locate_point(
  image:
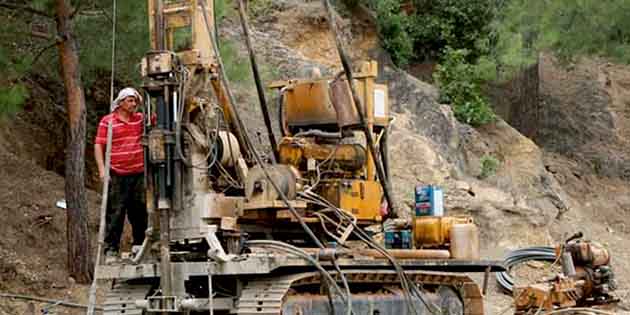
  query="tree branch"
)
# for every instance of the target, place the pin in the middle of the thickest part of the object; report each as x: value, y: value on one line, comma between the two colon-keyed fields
x: 41, y: 35
x: 42, y: 51
x: 13, y: 6
x: 76, y: 10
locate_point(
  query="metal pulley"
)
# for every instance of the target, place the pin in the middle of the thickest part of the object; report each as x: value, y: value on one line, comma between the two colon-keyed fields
x: 229, y: 151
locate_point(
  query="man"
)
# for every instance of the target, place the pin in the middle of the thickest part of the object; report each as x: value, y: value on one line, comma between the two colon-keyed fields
x: 126, y: 190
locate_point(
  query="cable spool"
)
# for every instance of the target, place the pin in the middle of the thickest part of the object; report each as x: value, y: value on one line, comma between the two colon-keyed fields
x: 228, y: 149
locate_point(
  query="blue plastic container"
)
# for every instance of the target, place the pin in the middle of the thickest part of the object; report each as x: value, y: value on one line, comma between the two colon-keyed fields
x: 429, y: 201
x: 398, y: 239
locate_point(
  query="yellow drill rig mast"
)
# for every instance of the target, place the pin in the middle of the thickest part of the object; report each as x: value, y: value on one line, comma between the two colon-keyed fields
x: 232, y: 233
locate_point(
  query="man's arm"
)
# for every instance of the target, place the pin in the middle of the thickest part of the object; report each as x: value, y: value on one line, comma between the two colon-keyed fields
x: 98, y: 155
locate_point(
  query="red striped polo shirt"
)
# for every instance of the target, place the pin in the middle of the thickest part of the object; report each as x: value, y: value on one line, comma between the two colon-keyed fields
x: 127, y: 156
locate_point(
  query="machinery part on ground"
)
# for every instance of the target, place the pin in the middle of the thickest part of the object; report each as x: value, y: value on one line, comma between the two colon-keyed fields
x: 586, y: 253
x: 580, y: 284
x: 49, y: 302
x: 513, y: 258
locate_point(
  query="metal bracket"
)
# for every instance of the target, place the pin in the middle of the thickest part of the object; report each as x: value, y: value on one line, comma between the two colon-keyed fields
x: 216, y: 251
x: 163, y: 304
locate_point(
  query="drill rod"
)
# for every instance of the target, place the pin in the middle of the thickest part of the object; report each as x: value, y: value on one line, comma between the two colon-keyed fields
x: 259, y: 87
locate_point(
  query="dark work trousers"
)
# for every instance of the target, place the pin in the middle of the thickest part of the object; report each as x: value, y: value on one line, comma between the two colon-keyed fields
x: 126, y: 196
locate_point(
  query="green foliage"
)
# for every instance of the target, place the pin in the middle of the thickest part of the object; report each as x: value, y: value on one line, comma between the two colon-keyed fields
x: 459, y: 83
x: 236, y: 70
x: 258, y: 8
x: 432, y: 26
x: 392, y: 27
x: 460, y: 24
x: 222, y: 9
x: 94, y: 32
x: 489, y: 165
x: 12, y: 98
x: 12, y: 92
x: 568, y: 28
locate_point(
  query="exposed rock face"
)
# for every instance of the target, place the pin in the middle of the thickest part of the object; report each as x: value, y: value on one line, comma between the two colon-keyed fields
x: 431, y: 147
x: 585, y: 114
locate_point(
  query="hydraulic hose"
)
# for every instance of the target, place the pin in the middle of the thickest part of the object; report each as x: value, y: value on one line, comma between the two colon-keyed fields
x: 540, y: 253
x: 302, y: 254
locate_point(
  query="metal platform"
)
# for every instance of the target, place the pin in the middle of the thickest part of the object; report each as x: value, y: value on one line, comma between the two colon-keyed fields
x: 265, y: 264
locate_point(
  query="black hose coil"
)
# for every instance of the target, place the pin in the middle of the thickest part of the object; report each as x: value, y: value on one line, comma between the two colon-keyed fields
x: 541, y: 253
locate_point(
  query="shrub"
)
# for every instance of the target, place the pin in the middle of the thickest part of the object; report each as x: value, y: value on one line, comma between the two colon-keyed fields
x: 423, y: 32
x: 459, y: 84
x: 12, y: 98
x: 392, y: 27
x: 489, y: 165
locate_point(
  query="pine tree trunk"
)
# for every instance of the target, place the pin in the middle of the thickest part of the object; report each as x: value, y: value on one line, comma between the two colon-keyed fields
x: 79, y: 263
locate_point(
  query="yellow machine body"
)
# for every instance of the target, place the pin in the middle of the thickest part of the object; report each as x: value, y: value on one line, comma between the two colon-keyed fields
x: 312, y: 103
x: 308, y: 104
x: 430, y: 231
x: 312, y: 108
x: 346, y: 158
x: 362, y: 198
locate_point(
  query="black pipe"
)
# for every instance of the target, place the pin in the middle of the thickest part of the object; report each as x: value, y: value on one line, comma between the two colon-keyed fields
x: 161, y: 124
x: 159, y: 26
x: 259, y: 87
x: 384, y: 148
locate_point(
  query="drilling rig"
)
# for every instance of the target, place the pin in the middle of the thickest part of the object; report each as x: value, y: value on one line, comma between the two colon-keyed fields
x: 233, y: 231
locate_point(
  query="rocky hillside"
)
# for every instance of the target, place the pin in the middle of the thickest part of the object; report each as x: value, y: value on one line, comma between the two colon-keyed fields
x: 572, y: 176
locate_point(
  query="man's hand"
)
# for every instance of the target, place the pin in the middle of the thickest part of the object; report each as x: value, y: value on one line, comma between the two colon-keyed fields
x: 98, y: 155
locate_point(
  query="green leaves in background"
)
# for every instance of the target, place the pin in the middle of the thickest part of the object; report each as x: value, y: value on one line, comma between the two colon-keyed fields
x: 420, y: 31
x: 459, y: 83
x: 12, y: 92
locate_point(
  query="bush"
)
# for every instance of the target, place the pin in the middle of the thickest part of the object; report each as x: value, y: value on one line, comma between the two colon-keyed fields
x: 461, y: 24
x: 432, y: 25
x: 13, y: 93
x: 12, y: 98
x: 489, y: 166
x: 392, y: 27
x: 459, y: 84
